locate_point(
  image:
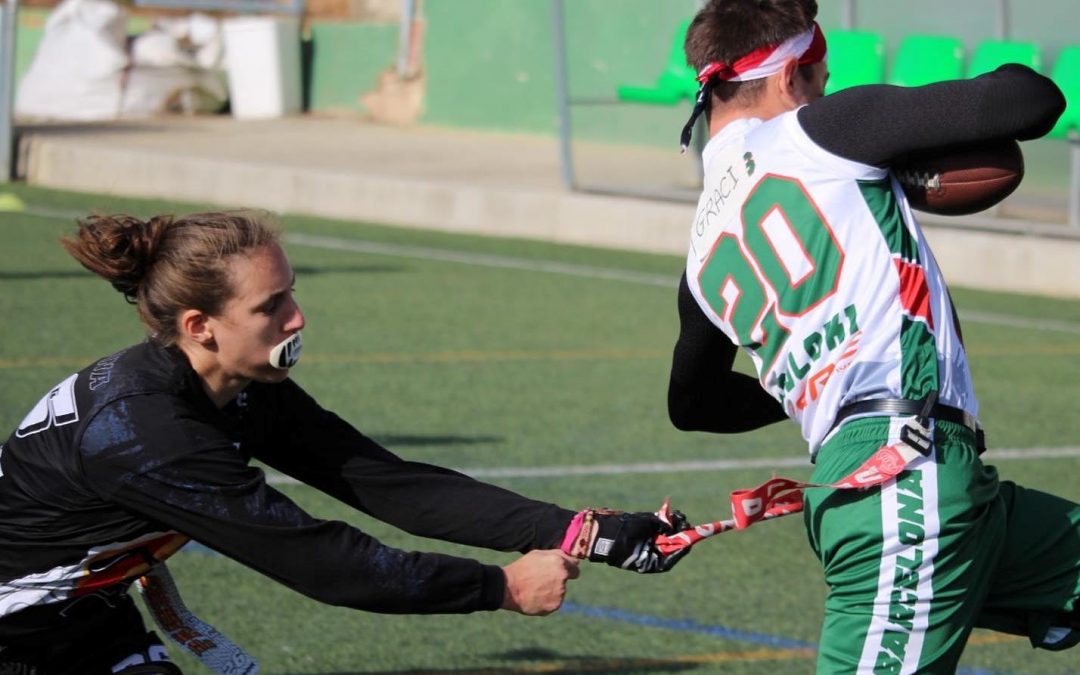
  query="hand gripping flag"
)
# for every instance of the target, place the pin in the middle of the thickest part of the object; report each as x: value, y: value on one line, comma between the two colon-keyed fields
x: 783, y: 496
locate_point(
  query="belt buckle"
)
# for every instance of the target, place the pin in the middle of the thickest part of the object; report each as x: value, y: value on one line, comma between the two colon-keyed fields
x: 915, y: 434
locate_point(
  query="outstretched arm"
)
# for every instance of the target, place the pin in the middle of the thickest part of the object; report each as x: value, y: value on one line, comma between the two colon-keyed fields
x: 704, y: 393
x: 315, y: 446
x: 879, y: 124
x: 322, y: 450
x: 194, y: 481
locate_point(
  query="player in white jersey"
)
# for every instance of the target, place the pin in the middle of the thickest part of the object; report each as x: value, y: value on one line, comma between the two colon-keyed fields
x: 805, y: 254
x: 781, y: 263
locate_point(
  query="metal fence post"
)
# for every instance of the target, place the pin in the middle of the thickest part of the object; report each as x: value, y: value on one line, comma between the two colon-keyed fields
x: 558, y: 32
x: 1074, y: 181
x: 847, y: 15
x: 9, y: 17
x: 405, y: 34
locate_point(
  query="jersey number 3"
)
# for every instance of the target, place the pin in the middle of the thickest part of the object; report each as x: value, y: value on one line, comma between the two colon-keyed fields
x: 788, y: 263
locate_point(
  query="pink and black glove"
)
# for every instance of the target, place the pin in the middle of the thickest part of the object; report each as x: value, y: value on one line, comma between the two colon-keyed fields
x: 625, y: 540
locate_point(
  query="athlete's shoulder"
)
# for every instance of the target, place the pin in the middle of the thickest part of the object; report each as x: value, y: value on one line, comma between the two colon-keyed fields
x: 143, y: 388
x: 141, y: 368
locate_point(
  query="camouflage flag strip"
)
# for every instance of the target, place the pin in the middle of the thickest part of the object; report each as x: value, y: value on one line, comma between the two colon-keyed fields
x: 217, y: 652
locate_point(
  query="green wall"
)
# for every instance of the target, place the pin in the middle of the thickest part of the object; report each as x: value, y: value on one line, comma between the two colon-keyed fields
x: 491, y: 64
x: 346, y: 59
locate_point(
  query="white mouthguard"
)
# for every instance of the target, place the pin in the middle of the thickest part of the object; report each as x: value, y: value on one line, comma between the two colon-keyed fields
x: 287, y: 352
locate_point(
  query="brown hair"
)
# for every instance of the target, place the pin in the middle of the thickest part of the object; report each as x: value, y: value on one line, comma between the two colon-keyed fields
x: 726, y: 30
x: 166, y: 265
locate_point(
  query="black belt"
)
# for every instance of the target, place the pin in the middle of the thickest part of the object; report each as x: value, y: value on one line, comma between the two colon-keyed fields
x: 895, y: 407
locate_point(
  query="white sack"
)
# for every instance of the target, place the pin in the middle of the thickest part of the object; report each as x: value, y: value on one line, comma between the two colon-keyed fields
x: 76, y: 71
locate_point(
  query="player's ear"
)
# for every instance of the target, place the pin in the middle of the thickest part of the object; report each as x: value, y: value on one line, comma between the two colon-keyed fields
x: 787, y: 85
x: 195, y: 326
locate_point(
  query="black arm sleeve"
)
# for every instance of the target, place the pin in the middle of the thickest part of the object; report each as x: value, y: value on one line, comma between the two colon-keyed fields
x: 184, y: 474
x: 705, y: 394
x: 878, y: 124
x: 322, y: 450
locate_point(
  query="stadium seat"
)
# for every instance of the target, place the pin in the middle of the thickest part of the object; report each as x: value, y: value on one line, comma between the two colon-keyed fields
x: 855, y: 57
x: 1066, y: 74
x: 922, y: 59
x: 989, y: 54
x: 676, y: 83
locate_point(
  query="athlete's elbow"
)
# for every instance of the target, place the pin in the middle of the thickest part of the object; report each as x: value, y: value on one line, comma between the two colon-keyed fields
x: 683, y: 413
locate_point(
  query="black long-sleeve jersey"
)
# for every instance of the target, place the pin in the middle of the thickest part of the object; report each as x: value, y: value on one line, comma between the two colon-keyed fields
x: 121, y: 463
x: 877, y: 125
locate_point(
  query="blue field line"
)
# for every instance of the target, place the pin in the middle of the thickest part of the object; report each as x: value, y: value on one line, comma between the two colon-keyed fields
x: 195, y: 547
x: 686, y: 625
x: 719, y: 631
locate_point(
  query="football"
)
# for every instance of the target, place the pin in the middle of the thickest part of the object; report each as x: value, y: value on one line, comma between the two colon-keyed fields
x: 960, y: 181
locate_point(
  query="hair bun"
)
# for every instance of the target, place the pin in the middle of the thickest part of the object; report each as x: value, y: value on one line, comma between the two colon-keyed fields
x: 121, y: 249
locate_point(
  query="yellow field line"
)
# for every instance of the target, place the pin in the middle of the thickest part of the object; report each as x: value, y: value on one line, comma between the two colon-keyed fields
x: 46, y: 362
x: 1026, y: 350
x: 399, y: 357
x: 608, y: 665
x: 494, y: 356
x: 993, y: 638
x: 714, y: 657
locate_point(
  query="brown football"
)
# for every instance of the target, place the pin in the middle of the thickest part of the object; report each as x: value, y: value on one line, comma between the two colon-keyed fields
x: 960, y: 181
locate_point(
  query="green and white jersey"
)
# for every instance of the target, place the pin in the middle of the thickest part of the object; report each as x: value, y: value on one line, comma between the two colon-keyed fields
x: 815, y: 266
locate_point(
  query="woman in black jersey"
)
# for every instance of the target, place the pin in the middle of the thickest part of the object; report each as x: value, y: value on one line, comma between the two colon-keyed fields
x: 120, y: 464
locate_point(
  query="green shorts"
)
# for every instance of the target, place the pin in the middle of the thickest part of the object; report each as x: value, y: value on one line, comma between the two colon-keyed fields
x: 915, y: 564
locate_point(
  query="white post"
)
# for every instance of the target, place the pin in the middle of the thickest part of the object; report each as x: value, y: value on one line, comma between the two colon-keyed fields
x: 1074, y: 181
x: 847, y: 16
x: 405, y: 34
x: 562, y: 102
x: 1003, y: 20
x: 9, y: 17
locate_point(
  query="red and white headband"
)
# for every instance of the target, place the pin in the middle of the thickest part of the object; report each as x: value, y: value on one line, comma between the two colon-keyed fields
x: 806, y: 48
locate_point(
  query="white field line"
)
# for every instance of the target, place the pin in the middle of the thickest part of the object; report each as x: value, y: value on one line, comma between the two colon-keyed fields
x: 1019, y: 322
x: 992, y: 456
x: 553, y: 267
x: 590, y: 272
x: 482, y: 260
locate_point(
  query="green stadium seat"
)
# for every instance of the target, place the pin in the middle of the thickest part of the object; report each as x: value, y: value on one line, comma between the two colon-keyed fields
x: 855, y: 57
x: 1066, y: 74
x: 989, y: 54
x: 922, y: 59
x: 676, y: 83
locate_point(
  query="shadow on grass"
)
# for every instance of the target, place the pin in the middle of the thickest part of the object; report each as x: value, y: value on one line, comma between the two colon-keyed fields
x: 568, y: 666
x: 539, y: 660
x: 414, y: 440
x: 309, y: 270
x: 46, y: 274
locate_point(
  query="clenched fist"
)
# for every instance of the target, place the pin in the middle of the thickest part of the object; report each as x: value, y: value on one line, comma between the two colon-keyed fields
x: 536, y: 582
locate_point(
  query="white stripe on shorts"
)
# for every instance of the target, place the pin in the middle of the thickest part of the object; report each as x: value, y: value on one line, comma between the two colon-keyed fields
x: 906, y: 540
